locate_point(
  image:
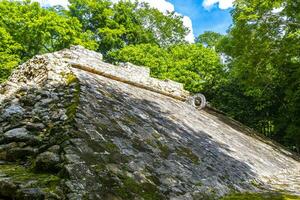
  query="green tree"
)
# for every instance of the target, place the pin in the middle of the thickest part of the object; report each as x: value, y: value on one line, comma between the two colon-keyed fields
x: 209, y: 39
x: 263, y: 46
x: 167, y: 29
x: 9, y: 51
x: 198, y: 68
x: 125, y: 23
x: 29, y: 29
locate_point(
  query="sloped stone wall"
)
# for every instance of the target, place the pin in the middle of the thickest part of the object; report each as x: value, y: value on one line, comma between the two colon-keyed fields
x: 73, y: 133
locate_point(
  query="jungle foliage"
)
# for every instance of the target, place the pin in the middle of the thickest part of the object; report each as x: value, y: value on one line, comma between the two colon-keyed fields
x: 263, y: 88
x: 197, y: 67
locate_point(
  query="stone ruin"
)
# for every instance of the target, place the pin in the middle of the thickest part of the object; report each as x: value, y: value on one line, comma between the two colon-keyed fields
x: 75, y: 127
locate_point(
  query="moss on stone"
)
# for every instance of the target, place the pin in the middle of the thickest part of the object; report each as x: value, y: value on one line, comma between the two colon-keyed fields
x: 118, y: 185
x: 58, y: 133
x: 101, y: 167
x: 164, y: 150
x: 72, y: 107
x: 139, y: 145
x: 154, y: 179
x: 188, y: 153
x: 113, y: 153
x: 20, y: 93
x: 156, y: 135
x: 129, y: 119
x: 256, y: 184
x: 126, y: 187
x: 224, y: 177
x: 110, y: 147
x: 260, y: 196
x: 18, y: 174
x: 2, y: 89
x: 71, y: 78
x: 199, y: 184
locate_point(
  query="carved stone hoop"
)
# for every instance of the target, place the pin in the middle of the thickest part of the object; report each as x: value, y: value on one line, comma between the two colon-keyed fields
x: 197, y: 100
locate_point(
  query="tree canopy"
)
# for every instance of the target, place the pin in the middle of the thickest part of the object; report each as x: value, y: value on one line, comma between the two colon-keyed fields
x: 125, y: 23
x: 197, y: 67
x: 209, y: 38
x: 9, y: 54
x: 264, y: 50
x: 39, y: 30
x: 28, y: 29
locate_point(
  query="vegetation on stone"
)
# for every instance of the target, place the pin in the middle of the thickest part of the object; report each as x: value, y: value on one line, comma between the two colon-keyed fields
x: 260, y: 196
x: 17, y: 174
x: 188, y: 153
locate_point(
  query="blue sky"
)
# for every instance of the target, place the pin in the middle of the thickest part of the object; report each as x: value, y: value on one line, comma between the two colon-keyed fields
x: 199, y: 15
x: 204, y: 19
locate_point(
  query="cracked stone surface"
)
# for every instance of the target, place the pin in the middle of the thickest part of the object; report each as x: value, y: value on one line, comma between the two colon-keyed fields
x: 99, y: 138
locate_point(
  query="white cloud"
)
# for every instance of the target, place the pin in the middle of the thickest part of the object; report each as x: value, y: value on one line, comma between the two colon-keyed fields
x: 187, y: 22
x: 223, y: 4
x: 162, y: 5
x: 63, y: 3
x: 277, y: 10
x: 165, y: 6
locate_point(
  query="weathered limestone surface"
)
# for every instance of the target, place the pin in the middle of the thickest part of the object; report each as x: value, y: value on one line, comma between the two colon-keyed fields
x: 67, y: 133
x: 127, y: 72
